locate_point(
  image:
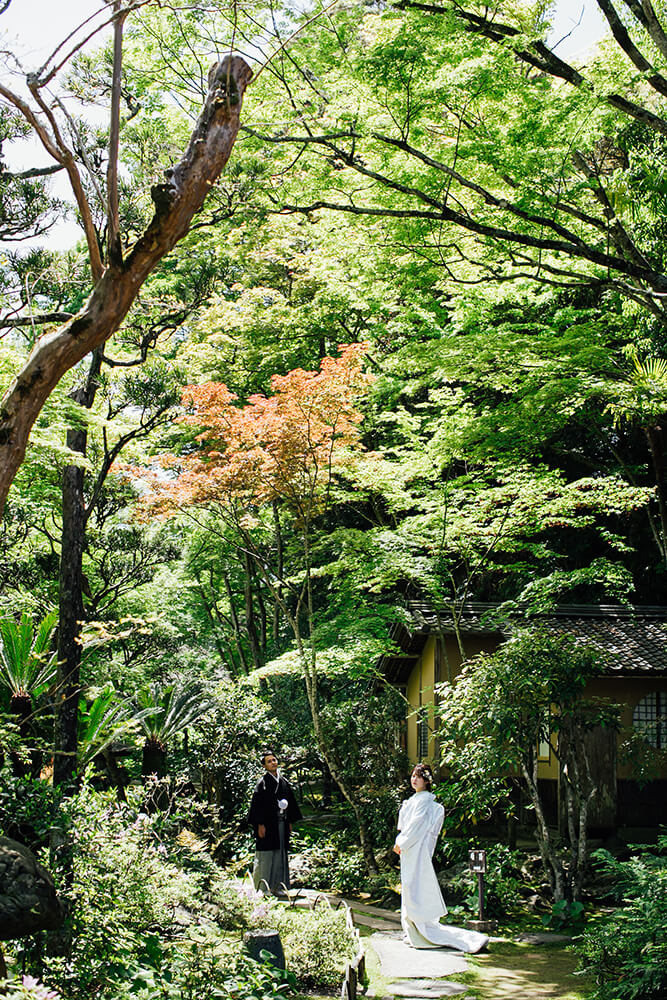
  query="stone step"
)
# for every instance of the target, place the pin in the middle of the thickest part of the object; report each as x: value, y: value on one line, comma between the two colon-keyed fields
x: 398, y: 959
x: 366, y: 920
x: 375, y: 911
x: 425, y: 989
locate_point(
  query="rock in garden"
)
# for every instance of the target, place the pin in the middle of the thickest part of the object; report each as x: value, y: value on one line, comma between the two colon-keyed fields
x: 28, y: 900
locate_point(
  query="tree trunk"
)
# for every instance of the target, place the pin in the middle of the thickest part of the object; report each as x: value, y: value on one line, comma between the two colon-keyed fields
x: 176, y: 203
x: 70, y: 618
x: 551, y: 863
x: 20, y: 706
x: 278, y: 595
x: 654, y: 436
x: 214, y: 625
x: 263, y: 636
x: 154, y: 759
x: 251, y: 628
x: 66, y: 703
x: 235, y: 624
x: 116, y: 773
x: 329, y: 758
x: 327, y: 785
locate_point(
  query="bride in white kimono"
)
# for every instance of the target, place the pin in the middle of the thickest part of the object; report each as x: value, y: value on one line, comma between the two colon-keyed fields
x: 419, y: 822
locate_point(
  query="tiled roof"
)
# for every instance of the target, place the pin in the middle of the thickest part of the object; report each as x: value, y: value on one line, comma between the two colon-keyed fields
x: 636, y: 637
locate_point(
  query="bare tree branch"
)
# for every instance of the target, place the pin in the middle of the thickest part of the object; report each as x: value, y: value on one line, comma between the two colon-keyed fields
x: 12, y: 322
x: 176, y: 202
x: 620, y: 33
x: 113, y: 223
x: 26, y: 175
x: 655, y: 279
x: 633, y: 265
x: 645, y: 14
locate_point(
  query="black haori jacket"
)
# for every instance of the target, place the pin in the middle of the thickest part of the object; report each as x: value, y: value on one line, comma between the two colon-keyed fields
x: 264, y: 811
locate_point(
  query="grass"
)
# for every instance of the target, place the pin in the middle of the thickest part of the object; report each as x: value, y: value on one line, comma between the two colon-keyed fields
x: 509, y: 971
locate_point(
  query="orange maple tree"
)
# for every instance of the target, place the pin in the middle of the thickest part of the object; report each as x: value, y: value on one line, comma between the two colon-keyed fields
x: 280, y: 447
x: 280, y: 450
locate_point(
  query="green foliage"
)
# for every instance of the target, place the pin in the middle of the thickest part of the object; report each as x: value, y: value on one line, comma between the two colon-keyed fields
x: 644, y: 761
x: 625, y: 953
x: 164, y: 712
x: 360, y: 714
x: 10, y: 736
x: 124, y: 886
x: 27, y: 665
x: 28, y: 988
x: 26, y: 809
x: 317, y: 945
x: 101, y: 722
x: 224, y: 754
x: 503, y: 881
x: 202, y: 965
x: 502, y: 705
x: 565, y: 915
x: 497, y: 712
x: 26, y: 208
x: 331, y: 863
x: 506, y: 455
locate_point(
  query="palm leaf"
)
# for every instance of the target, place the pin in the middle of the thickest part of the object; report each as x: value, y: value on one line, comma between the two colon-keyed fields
x: 26, y: 666
x: 169, y: 710
x: 653, y: 370
x: 106, y: 719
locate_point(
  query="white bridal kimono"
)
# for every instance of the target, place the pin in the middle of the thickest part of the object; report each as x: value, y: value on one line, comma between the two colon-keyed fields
x: 419, y: 823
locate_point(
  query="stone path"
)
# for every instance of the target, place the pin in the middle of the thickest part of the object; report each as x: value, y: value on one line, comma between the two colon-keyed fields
x: 406, y: 973
x: 399, y: 961
x: 411, y: 973
x: 425, y: 988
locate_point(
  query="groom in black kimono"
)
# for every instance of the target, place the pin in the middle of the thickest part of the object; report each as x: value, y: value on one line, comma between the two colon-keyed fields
x: 273, y: 809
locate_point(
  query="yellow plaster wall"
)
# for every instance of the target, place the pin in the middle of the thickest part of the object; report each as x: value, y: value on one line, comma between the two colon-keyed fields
x: 420, y: 690
x: 421, y: 683
x: 419, y: 693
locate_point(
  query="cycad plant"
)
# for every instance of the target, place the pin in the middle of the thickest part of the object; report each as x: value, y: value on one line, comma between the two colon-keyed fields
x: 105, y: 720
x: 27, y: 665
x: 163, y: 713
x: 27, y: 668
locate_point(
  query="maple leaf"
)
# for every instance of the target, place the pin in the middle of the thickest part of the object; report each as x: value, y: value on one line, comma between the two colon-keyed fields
x: 285, y: 446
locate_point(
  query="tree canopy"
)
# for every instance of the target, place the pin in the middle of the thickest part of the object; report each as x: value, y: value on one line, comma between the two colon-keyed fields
x: 371, y: 310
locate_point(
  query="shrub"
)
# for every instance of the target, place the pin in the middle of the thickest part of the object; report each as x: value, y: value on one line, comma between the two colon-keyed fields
x: 28, y: 988
x: 240, y: 906
x: 200, y: 965
x: 317, y: 944
x: 502, y: 881
x: 332, y: 865
x: 564, y: 914
x: 124, y: 886
x: 626, y: 953
x: 26, y: 809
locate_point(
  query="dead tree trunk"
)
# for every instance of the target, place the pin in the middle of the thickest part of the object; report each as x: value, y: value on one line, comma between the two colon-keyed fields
x: 176, y: 203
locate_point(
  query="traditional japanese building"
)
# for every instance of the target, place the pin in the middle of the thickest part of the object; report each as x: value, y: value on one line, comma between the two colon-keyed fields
x: 433, y: 646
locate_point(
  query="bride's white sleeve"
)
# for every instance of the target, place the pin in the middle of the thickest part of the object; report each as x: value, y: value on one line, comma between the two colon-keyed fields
x: 411, y: 827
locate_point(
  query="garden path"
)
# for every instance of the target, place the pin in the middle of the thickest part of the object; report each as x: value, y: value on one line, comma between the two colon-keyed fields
x: 533, y: 966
